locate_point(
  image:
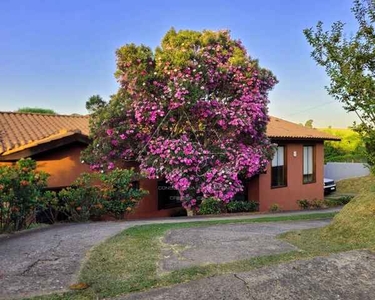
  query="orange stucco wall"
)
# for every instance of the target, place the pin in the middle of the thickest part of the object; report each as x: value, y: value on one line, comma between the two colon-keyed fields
x: 63, y: 164
x: 286, y: 197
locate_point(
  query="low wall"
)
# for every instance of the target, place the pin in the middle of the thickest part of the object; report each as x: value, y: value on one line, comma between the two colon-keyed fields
x: 338, y: 171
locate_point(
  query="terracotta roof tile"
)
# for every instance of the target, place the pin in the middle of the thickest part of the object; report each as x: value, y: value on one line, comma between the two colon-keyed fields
x: 23, y: 130
x: 279, y: 128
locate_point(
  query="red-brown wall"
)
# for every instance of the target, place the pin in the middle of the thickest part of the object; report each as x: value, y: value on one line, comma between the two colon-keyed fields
x: 286, y: 197
x: 63, y: 164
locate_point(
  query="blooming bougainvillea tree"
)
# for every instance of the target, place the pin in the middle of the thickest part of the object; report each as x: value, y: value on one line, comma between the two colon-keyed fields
x: 194, y: 112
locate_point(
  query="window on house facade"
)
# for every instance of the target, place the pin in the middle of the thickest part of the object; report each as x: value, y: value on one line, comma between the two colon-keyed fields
x: 308, y: 164
x: 278, y: 172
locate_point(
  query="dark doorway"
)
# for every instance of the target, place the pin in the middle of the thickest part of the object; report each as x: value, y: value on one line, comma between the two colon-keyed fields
x: 167, y: 196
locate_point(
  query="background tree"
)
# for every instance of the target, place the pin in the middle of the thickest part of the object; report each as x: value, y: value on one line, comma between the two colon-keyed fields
x: 37, y: 110
x: 309, y: 123
x: 350, y: 64
x: 94, y: 103
x: 193, y: 112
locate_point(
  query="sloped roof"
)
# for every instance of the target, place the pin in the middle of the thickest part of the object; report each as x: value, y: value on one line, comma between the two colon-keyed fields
x: 279, y: 128
x: 19, y: 131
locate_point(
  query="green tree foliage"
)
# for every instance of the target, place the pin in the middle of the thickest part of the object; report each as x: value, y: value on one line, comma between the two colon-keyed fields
x: 94, y: 103
x: 309, y: 123
x: 351, y: 148
x: 350, y: 64
x: 37, y: 110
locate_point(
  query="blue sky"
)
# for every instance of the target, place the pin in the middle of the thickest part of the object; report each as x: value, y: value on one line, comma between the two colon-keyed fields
x: 55, y: 54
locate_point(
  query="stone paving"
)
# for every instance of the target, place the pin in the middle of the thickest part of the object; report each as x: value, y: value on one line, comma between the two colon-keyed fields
x: 343, y: 276
x: 224, y: 243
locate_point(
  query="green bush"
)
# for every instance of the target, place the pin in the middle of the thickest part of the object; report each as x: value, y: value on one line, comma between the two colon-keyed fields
x: 210, y: 206
x: 92, y: 195
x: 82, y: 200
x: 275, y: 207
x: 120, y: 193
x: 242, y: 206
x: 343, y: 200
x: 21, y: 188
x: 49, y: 206
x: 316, y: 203
x: 304, y: 204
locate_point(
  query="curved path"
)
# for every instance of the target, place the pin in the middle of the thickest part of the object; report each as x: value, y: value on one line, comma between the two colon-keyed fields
x: 342, y: 276
x: 47, y: 260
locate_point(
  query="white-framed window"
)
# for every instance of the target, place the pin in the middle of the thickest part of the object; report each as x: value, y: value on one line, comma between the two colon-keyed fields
x: 278, y: 171
x: 308, y: 164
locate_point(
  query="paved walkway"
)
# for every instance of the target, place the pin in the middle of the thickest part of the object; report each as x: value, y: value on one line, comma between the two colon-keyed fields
x: 343, y: 276
x: 189, y: 247
x: 48, y: 259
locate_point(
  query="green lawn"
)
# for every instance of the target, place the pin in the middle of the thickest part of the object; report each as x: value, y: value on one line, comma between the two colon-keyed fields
x: 128, y: 262
x: 355, y: 185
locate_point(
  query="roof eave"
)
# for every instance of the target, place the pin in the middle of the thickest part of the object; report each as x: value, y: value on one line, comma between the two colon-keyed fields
x: 43, y: 146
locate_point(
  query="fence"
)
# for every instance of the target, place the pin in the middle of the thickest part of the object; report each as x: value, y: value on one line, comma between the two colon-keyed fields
x: 338, y: 171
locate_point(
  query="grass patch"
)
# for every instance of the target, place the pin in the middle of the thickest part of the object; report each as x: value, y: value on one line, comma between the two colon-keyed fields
x: 355, y: 185
x: 352, y: 228
x: 128, y: 262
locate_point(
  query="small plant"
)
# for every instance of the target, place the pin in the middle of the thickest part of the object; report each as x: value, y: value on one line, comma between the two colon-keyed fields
x: 210, y: 206
x: 274, y: 207
x: 316, y: 203
x: 304, y: 203
x: 242, y: 206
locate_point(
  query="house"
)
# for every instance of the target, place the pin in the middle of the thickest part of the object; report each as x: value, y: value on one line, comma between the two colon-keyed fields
x: 55, y: 142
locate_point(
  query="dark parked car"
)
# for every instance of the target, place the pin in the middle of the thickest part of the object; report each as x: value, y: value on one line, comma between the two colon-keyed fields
x: 329, y: 185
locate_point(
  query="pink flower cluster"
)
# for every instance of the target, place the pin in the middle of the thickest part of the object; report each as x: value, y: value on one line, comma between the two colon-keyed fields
x: 199, y: 124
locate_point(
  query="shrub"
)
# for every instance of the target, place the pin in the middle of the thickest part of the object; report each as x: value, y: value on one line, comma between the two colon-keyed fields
x: 49, y: 207
x: 92, y: 195
x: 316, y: 203
x: 120, y: 193
x: 343, y: 200
x: 242, y: 206
x: 82, y: 200
x: 21, y: 187
x: 274, y: 207
x: 210, y: 206
x: 304, y: 204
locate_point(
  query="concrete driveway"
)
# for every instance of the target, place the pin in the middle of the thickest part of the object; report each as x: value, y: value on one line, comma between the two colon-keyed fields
x: 47, y: 260
x: 343, y: 276
x: 224, y: 243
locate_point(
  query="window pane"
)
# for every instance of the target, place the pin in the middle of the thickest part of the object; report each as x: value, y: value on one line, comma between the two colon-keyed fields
x: 280, y: 156
x: 310, y: 160
x: 278, y: 159
x: 278, y: 176
x: 308, y: 164
x: 305, y: 159
x: 274, y: 160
